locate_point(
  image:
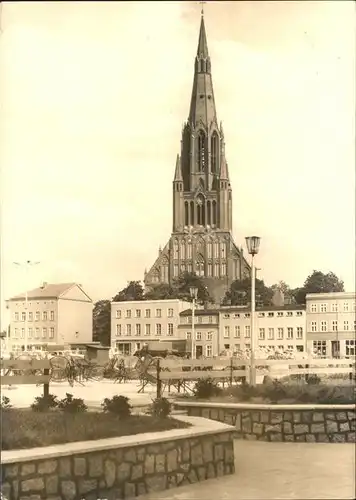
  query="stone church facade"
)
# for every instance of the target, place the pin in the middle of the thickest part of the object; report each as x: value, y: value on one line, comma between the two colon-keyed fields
x: 201, y: 239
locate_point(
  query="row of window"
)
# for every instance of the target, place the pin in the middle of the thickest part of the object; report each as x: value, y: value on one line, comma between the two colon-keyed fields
x: 279, y: 314
x: 334, y: 307
x: 184, y: 250
x: 35, y: 331
x: 335, y: 326
x: 147, y: 331
x: 217, y: 270
x: 262, y: 332
x: 139, y: 313
x: 319, y: 346
x: 45, y: 316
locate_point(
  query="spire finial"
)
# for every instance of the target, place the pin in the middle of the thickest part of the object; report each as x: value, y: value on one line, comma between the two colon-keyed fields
x: 202, y: 8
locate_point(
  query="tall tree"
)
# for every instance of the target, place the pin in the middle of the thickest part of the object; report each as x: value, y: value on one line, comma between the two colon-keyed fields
x: 285, y: 289
x: 161, y: 292
x: 185, y: 281
x: 102, y: 322
x: 318, y: 282
x: 240, y: 293
x: 133, y: 291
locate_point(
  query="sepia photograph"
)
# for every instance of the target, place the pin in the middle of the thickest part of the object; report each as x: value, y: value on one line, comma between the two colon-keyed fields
x: 177, y: 250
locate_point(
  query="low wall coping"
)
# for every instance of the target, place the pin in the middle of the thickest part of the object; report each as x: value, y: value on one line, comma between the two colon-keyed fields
x: 276, y: 407
x: 200, y: 427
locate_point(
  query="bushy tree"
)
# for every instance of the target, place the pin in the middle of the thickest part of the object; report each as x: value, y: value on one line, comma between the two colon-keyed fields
x: 133, y: 291
x: 185, y: 281
x: 102, y: 322
x: 240, y: 293
x: 318, y: 282
x: 161, y: 292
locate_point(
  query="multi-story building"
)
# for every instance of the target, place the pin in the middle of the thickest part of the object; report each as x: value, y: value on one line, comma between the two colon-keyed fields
x: 331, y: 323
x: 134, y: 323
x: 201, y: 240
x: 276, y: 327
x: 53, y: 314
x: 206, y: 331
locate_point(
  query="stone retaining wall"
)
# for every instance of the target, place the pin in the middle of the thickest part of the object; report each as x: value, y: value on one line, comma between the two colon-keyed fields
x: 119, y: 467
x: 305, y: 423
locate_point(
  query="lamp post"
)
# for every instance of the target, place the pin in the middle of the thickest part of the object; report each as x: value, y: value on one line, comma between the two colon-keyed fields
x: 253, y: 244
x: 27, y: 266
x: 194, y: 295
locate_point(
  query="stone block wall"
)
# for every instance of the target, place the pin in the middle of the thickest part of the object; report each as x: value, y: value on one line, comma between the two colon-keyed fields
x: 297, y: 423
x: 121, y: 473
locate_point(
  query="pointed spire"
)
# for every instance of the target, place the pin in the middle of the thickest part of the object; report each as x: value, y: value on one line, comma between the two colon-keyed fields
x: 202, y: 44
x: 178, y: 173
x: 224, y: 170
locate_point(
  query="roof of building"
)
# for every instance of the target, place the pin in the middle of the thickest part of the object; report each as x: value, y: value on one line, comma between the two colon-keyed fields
x: 47, y: 291
x: 232, y: 309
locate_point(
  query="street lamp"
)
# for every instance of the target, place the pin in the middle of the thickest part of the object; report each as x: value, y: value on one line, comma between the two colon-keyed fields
x: 27, y: 266
x: 253, y: 244
x: 194, y: 295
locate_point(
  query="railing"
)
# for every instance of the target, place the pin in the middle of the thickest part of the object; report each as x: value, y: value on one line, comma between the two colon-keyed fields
x: 24, y: 371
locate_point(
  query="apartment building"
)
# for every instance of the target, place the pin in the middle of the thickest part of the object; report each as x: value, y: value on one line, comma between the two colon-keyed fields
x: 206, y: 331
x: 278, y: 327
x: 331, y: 323
x: 53, y: 314
x: 134, y: 323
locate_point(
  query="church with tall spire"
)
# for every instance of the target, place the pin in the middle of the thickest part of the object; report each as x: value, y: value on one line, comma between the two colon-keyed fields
x: 201, y: 241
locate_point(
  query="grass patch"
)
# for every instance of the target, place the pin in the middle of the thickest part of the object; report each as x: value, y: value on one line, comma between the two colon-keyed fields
x: 23, y: 428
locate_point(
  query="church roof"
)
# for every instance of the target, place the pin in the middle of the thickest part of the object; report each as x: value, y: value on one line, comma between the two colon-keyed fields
x: 203, y: 43
x: 178, y: 172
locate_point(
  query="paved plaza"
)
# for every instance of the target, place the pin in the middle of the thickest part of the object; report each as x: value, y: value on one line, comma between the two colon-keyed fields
x: 273, y: 471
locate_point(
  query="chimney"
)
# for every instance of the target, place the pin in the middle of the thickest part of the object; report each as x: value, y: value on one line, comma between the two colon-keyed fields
x: 44, y: 284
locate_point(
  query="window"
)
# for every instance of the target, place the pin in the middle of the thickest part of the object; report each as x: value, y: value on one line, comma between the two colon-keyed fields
x: 313, y: 326
x: 350, y: 347
x: 209, y: 336
x: 198, y: 336
x: 279, y: 314
x: 270, y: 333
x: 280, y: 333
x: 170, y: 329
x: 38, y: 317
x: 138, y: 313
x: 247, y: 332
x: 289, y: 313
x: 158, y: 329
x: 237, y: 347
x: 147, y: 313
x: 226, y: 332
x: 248, y: 346
x: 128, y: 313
x: 346, y: 306
x: 209, y: 351
x: 261, y: 335
x: 334, y: 326
x: 199, y: 319
x: 44, y: 333
x: 323, y: 326
x: 52, y: 315
x: 334, y: 308
x: 236, y: 315
x: 118, y: 314
x: 170, y: 313
x: 247, y: 315
x: 138, y: 329
x: 22, y: 333
x: 16, y: 333
x: 223, y: 269
x: 51, y: 332
x: 300, y: 348
x: 216, y: 270
x: 37, y: 333
x: 189, y: 335
x: 23, y: 316
x: 210, y: 269
x: 158, y: 313
x: 299, y: 332
x: 128, y: 329
x: 30, y: 316
x: 210, y: 319
x: 313, y: 308
x: 346, y: 326
x: 354, y: 306
x: 319, y: 347
x: 30, y: 333
x: 44, y: 316
x: 147, y: 329
x: 118, y: 330
x: 290, y: 348
x: 299, y: 313
x: 289, y: 333
x: 354, y: 324
x: 261, y: 315
x: 226, y: 316
x: 270, y: 315
x: 16, y: 316
x: 323, y: 308
x: 237, y: 332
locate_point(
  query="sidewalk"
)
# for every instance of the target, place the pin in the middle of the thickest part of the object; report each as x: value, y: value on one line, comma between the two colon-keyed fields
x: 276, y: 471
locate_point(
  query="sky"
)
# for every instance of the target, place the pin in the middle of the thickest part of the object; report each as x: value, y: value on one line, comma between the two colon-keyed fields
x: 93, y: 100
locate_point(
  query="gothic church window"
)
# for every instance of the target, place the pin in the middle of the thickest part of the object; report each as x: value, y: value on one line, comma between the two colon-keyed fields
x: 182, y: 249
x: 186, y: 214
x: 214, y: 152
x: 223, y: 250
x: 216, y: 270
x: 192, y: 213
x: 210, y: 249
x: 164, y: 271
x: 175, y: 249
x: 201, y: 210
x: 199, y: 265
x: 208, y: 212
x: 223, y: 269
x: 216, y: 249
x: 214, y: 213
x: 201, y: 151
x: 175, y: 270
x: 189, y: 248
x: 210, y: 269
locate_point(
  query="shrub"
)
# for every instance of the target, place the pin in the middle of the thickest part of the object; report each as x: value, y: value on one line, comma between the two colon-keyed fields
x: 160, y: 408
x: 119, y: 405
x: 5, y: 403
x: 206, y: 388
x: 44, y: 403
x: 72, y: 405
x: 313, y: 379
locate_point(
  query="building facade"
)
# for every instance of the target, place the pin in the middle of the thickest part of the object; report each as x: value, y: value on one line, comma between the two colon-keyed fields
x: 134, y: 323
x: 206, y: 331
x: 201, y: 239
x: 331, y: 322
x: 53, y: 314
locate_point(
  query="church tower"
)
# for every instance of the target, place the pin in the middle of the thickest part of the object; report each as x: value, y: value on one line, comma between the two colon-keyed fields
x: 201, y: 240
